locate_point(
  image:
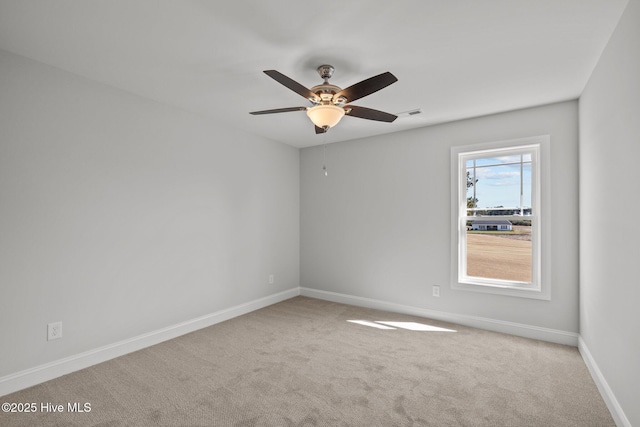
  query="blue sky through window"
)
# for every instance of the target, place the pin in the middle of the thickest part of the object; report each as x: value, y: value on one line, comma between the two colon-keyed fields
x: 499, y: 181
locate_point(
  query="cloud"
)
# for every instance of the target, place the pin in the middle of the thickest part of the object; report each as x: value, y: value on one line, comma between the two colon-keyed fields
x: 498, y: 178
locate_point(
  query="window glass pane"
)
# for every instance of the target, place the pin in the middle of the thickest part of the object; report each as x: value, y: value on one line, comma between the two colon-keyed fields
x: 499, y: 249
x: 500, y: 185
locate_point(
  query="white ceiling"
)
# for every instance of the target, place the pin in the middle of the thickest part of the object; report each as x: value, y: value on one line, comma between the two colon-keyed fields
x: 453, y: 59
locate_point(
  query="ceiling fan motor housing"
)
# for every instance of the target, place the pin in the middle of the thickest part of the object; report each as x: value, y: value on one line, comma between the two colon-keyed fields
x: 325, y: 92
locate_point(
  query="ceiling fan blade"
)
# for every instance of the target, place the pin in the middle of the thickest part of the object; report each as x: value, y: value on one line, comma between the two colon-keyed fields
x: 367, y: 87
x: 278, y: 110
x: 320, y: 130
x: 369, y: 113
x: 290, y: 83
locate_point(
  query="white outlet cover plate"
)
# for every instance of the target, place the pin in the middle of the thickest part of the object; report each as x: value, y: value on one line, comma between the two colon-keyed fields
x: 54, y: 331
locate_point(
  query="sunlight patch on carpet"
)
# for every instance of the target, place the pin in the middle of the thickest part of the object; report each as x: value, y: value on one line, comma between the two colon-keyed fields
x: 415, y: 326
x: 412, y: 326
x: 372, y: 324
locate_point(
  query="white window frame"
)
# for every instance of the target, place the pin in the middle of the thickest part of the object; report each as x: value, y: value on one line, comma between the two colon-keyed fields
x: 540, y: 286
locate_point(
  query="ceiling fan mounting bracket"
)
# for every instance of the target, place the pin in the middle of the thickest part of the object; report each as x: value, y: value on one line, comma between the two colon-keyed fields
x: 326, y: 71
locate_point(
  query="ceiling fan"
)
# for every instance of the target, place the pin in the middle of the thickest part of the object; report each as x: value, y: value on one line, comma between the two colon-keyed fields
x: 329, y: 100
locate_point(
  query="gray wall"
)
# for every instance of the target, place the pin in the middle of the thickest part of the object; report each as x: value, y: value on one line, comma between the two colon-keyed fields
x: 379, y: 226
x: 120, y: 216
x: 609, y: 152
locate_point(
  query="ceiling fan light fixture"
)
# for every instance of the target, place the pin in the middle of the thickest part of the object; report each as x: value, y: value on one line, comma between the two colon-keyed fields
x: 325, y: 116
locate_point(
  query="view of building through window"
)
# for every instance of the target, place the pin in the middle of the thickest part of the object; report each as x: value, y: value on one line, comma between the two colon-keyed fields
x: 498, y: 223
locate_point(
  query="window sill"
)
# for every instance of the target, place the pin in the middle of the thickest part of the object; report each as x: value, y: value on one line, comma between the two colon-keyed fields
x: 512, y: 290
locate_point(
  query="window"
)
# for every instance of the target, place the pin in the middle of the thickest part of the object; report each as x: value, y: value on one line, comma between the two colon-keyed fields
x: 499, y: 229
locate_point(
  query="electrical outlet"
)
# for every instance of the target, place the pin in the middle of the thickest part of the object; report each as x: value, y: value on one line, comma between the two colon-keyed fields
x: 436, y: 291
x: 54, y: 331
x: 271, y: 279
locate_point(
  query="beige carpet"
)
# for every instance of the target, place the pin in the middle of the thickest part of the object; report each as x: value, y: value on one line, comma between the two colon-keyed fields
x: 301, y: 363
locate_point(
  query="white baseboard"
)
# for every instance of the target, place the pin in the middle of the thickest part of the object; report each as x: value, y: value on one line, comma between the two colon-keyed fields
x: 29, y: 377
x: 519, y: 329
x: 609, y: 398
